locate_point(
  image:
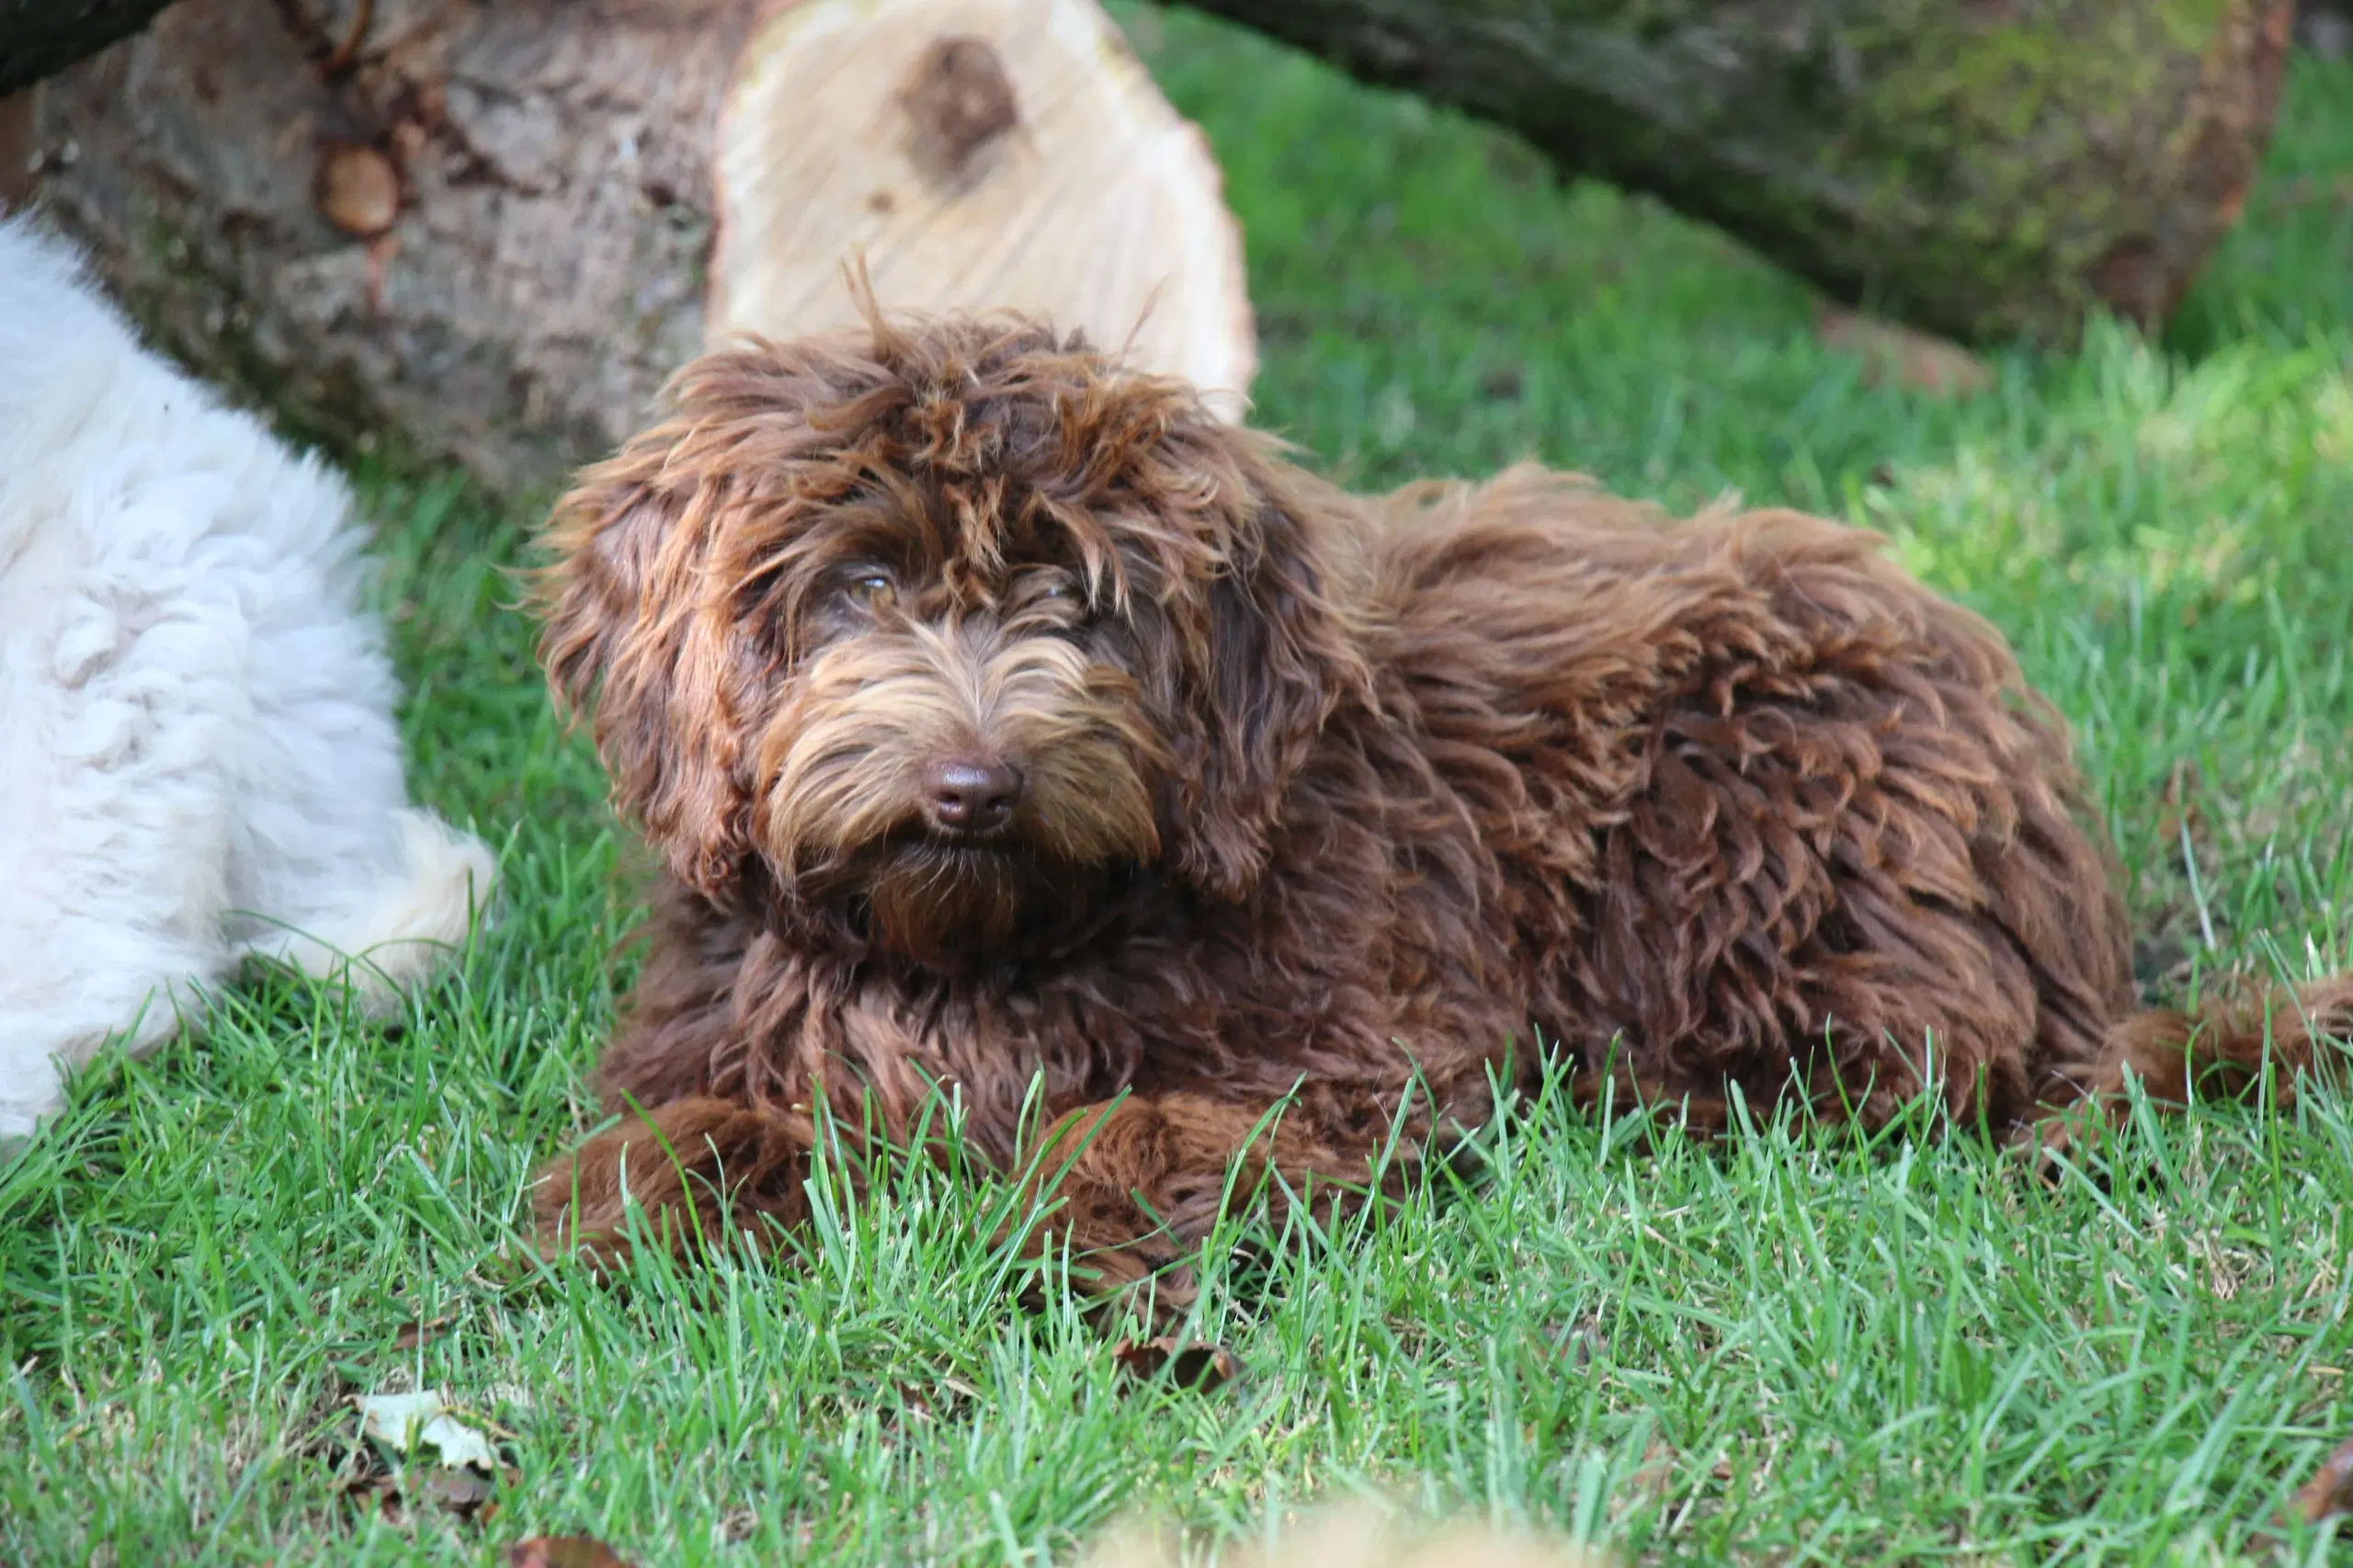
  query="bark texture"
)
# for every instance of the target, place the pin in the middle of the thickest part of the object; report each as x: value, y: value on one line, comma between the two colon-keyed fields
x: 40, y: 38
x: 1987, y: 169
x: 488, y: 233
x: 16, y: 148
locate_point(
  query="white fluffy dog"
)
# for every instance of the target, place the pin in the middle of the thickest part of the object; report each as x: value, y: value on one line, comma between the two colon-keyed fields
x: 198, y: 757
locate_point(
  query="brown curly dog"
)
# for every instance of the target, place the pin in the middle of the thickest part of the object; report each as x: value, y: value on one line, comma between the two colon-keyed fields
x: 1004, y: 719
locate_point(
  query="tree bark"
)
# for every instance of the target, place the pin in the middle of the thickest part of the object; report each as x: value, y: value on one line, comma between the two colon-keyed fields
x: 487, y: 233
x: 16, y: 148
x: 41, y: 38
x: 1988, y: 169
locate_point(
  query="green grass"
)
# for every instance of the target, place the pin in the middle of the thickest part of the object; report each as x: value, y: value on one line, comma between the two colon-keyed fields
x: 1791, y: 1350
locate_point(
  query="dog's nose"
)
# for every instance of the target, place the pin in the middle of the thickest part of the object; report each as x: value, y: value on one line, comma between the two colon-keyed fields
x: 966, y: 796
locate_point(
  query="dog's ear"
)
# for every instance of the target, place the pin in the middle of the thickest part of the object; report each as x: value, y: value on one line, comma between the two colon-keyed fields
x: 632, y: 639
x: 1275, y: 661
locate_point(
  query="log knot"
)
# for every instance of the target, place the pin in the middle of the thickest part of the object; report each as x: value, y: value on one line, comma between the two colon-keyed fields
x: 958, y: 99
x: 358, y: 190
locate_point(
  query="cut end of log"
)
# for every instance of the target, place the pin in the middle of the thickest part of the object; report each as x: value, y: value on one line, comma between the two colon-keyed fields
x: 974, y: 155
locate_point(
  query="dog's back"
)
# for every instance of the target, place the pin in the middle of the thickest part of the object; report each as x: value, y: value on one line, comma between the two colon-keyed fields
x: 198, y: 757
x: 101, y: 437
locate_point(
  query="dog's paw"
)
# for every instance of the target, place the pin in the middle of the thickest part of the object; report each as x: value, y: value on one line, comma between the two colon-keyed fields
x: 692, y: 1174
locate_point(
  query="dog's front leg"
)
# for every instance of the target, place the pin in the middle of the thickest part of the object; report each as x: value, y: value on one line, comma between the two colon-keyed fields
x: 1130, y: 1188
x: 696, y: 1170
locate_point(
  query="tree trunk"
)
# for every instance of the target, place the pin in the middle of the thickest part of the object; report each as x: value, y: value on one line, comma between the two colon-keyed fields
x: 41, y: 38
x: 1985, y: 168
x: 16, y: 148
x: 487, y: 233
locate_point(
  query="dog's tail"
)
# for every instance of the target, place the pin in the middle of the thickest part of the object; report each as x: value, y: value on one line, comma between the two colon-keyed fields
x: 401, y: 928
x: 2299, y: 1033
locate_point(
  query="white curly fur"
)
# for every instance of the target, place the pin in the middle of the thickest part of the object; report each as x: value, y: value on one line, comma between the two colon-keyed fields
x: 197, y: 756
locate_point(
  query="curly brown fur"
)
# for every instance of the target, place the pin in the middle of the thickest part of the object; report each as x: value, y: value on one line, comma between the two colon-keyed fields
x: 1004, y: 719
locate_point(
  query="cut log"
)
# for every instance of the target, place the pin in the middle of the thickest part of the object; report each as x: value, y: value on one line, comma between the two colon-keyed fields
x: 40, y: 38
x: 488, y: 234
x: 981, y: 154
x: 1987, y: 169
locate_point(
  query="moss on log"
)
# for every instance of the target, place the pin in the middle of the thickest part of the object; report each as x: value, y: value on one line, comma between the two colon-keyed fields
x: 1988, y: 169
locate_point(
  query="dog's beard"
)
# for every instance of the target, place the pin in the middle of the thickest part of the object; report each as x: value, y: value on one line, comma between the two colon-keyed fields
x: 945, y: 899
x: 844, y: 764
x: 937, y: 902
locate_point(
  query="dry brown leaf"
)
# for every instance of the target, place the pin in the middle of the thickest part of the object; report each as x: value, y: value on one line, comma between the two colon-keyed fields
x: 563, y: 1551
x: 380, y: 1492
x: 2326, y: 1495
x: 2330, y: 1491
x: 1504, y: 383
x: 468, y: 1495
x: 1579, y: 1343
x: 1910, y: 358
x: 1190, y: 1363
x: 1655, y: 1477
x: 414, y: 1334
x: 2178, y: 805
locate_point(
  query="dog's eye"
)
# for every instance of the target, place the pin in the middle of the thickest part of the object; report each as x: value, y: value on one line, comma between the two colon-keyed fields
x: 1059, y: 590
x: 872, y: 589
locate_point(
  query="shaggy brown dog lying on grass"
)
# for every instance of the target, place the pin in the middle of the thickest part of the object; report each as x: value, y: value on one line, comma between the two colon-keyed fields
x: 1001, y: 715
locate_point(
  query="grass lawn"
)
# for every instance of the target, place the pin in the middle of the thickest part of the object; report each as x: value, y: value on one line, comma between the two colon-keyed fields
x: 1790, y: 1350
